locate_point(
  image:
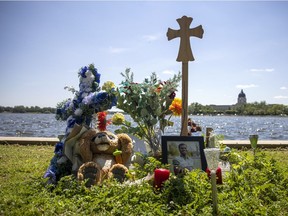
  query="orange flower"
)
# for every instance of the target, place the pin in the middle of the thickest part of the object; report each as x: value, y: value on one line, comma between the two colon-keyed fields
x: 176, y: 107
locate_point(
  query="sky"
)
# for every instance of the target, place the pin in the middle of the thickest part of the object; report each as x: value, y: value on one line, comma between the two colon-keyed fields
x: 43, y: 44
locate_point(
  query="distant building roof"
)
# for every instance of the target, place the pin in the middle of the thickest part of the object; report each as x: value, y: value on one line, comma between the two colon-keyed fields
x: 241, y: 94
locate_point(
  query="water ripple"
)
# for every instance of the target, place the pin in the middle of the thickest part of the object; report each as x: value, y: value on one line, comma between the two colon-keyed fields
x: 232, y: 127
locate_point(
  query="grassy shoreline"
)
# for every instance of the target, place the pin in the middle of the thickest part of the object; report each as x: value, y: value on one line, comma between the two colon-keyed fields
x: 23, y: 191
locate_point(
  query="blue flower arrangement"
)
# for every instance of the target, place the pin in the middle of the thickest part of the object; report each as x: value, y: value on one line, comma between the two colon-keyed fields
x: 90, y: 99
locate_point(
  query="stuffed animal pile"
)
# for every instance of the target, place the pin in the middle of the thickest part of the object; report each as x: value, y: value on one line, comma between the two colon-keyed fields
x: 95, y: 156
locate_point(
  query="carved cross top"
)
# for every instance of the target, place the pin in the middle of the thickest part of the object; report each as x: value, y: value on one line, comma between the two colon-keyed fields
x: 185, y: 55
x: 185, y: 52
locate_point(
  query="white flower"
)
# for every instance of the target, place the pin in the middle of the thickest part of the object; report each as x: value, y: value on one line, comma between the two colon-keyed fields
x: 78, y: 112
x: 90, y: 75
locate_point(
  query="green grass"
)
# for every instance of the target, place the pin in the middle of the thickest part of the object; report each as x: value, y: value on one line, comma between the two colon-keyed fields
x: 252, y: 188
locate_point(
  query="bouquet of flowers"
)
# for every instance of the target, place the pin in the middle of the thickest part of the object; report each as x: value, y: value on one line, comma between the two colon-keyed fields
x: 148, y: 103
x: 88, y: 100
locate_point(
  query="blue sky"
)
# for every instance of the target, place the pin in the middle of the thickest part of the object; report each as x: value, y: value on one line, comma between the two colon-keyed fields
x: 44, y: 44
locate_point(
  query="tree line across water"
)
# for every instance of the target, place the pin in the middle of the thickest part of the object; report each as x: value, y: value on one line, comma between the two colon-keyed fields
x: 26, y: 109
x: 255, y: 108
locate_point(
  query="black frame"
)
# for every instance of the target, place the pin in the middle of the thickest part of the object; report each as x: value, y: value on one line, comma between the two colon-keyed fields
x: 195, y: 144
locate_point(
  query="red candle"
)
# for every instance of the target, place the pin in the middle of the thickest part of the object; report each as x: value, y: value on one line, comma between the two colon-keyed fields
x: 160, y: 175
x: 218, y: 175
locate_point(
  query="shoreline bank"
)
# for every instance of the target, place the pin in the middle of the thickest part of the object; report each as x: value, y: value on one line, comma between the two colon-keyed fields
x: 53, y: 140
x: 29, y: 140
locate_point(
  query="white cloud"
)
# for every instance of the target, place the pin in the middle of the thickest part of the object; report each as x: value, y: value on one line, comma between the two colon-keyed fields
x: 281, y: 97
x: 283, y: 88
x: 151, y: 37
x: 246, y: 86
x: 116, y: 50
x: 168, y: 72
x: 262, y: 69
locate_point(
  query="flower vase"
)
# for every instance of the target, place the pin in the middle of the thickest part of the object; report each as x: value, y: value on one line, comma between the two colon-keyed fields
x: 156, y: 143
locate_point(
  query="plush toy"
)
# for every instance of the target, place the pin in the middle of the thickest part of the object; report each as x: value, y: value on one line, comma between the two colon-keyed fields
x: 104, y: 155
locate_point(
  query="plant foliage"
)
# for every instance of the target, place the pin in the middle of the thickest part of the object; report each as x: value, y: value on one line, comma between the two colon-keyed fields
x: 148, y: 104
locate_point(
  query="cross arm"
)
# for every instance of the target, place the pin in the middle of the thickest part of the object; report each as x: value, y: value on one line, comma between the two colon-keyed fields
x: 171, y: 34
x: 197, y: 31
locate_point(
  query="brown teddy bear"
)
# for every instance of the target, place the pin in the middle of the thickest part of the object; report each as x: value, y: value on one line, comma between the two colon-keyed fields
x: 104, y: 155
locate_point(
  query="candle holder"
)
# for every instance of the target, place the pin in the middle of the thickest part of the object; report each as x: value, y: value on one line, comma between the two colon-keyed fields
x: 212, y: 158
x: 253, y: 141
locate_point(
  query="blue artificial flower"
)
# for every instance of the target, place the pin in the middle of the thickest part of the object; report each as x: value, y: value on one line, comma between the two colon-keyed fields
x: 97, y: 77
x: 83, y: 71
x: 113, y: 101
x: 59, y: 148
x: 71, y: 122
x: 100, y: 98
x: 51, y: 175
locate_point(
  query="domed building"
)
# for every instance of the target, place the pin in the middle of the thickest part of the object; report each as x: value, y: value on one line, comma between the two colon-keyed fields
x: 240, y: 101
x: 241, y: 98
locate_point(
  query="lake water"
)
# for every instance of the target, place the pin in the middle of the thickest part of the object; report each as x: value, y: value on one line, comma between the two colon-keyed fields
x: 232, y: 127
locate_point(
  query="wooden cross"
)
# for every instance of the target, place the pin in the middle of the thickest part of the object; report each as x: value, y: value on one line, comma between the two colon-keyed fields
x: 185, y: 55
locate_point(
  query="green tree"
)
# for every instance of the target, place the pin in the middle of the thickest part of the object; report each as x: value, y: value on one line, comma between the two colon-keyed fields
x: 19, y: 109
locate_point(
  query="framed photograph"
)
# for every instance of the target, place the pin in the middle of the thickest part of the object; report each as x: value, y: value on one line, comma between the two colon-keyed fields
x: 183, y: 152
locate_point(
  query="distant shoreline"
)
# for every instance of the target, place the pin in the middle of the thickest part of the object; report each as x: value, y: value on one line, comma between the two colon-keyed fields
x: 25, y: 109
x: 248, y: 109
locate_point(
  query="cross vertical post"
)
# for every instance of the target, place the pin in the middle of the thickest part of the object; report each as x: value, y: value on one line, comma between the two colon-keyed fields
x: 185, y: 55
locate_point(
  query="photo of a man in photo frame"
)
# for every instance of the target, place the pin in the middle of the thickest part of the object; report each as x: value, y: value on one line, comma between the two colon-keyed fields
x: 186, y: 158
x: 183, y: 161
x: 183, y: 153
